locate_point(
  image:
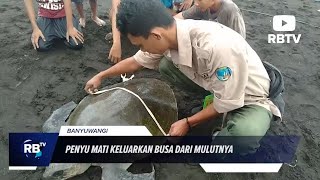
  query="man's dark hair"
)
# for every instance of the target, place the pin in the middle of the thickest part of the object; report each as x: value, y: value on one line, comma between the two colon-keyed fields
x: 138, y: 17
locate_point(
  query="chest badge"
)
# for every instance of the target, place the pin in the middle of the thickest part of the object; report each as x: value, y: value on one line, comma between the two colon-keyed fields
x: 223, y: 73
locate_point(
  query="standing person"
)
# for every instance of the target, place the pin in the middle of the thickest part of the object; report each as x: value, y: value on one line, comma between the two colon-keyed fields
x: 94, y: 15
x: 203, y: 55
x: 225, y: 12
x: 55, y: 21
x: 115, y: 51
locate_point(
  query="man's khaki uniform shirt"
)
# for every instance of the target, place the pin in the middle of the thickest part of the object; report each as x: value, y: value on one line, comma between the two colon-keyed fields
x: 219, y: 60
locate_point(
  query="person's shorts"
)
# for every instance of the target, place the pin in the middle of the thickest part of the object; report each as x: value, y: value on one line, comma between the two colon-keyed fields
x: 77, y: 1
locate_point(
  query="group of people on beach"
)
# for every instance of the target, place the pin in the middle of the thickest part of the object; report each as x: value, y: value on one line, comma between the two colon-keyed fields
x: 201, y: 49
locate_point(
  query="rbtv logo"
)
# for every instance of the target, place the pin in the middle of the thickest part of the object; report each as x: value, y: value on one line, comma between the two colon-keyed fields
x: 33, y: 150
x: 284, y: 23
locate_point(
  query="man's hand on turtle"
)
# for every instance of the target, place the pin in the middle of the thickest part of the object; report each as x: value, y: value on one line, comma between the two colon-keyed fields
x: 179, y: 128
x: 93, y: 84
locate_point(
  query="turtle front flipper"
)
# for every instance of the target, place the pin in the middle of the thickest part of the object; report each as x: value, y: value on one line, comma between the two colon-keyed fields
x: 65, y: 170
x: 116, y: 171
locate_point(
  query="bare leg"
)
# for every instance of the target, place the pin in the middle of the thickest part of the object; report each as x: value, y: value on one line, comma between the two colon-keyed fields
x: 82, y: 20
x: 94, y: 17
x: 109, y: 36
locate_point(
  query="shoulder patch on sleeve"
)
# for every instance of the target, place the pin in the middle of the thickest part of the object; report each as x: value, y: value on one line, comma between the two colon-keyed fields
x: 223, y: 73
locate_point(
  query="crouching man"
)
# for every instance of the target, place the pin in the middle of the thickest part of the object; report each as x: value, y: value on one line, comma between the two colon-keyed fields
x: 55, y: 21
x: 198, y: 55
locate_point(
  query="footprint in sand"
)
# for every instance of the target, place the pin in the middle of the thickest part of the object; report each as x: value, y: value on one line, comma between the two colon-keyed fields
x: 88, y: 71
x: 5, y: 5
x: 2, y: 10
x: 18, y: 9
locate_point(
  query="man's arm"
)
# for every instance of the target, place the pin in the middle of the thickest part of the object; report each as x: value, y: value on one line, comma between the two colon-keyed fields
x: 68, y: 9
x: 115, y: 31
x: 181, y: 127
x: 115, y: 51
x: 128, y: 65
x: 233, y: 19
x: 193, y: 13
x: 179, y: 16
x: 206, y: 114
x: 36, y: 32
x: 237, y: 24
x: 71, y: 30
x: 31, y: 14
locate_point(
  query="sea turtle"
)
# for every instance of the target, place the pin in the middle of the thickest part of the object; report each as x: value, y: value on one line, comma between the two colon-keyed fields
x: 116, y: 107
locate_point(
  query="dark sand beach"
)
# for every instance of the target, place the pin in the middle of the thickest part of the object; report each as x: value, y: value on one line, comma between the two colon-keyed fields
x: 33, y: 85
